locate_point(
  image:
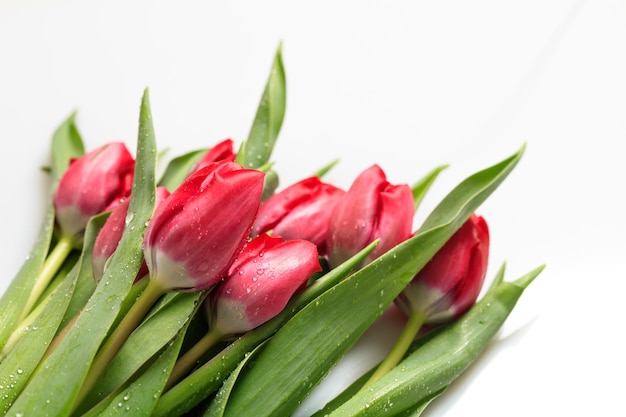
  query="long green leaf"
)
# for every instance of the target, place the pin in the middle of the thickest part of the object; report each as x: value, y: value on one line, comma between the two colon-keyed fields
x: 303, y: 351
x: 208, y: 378
x: 22, y: 360
x: 18, y: 366
x: 437, y: 363
x: 149, y: 338
x: 70, y: 361
x: 85, y: 283
x: 256, y: 151
x: 421, y: 187
x: 14, y: 298
x: 66, y: 144
x: 217, y: 406
x: 179, y: 168
x: 142, y: 394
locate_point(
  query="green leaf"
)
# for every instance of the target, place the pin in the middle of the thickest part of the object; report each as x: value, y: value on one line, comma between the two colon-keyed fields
x: 22, y: 359
x: 325, y: 169
x: 85, y: 284
x: 420, y: 407
x: 421, y: 187
x: 478, y: 187
x: 70, y: 361
x: 256, y: 151
x: 67, y: 144
x: 353, y: 388
x: 142, y: 394
x: 437, y: 363
x: 270, y: 184
x: 303, y: 351
x: 157, y: 330
x: 179, y: 168
x: 207, y: 379
x: 216, y: 407
x: 18, y: 366
x: 15, y: 297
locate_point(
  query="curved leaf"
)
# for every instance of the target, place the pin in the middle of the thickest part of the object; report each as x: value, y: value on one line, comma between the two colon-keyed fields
x: 70, y: 361
x: 256, y: 151
x: 438, y: 362
x: 302, y: 352
x: 208, y: 378
x: 179, y: 168
x: 67, y: 144
x: 18, y: 366
x: 157, y: 330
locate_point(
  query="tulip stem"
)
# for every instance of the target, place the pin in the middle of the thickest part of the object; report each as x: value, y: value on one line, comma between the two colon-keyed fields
x: 413, y: 325
x: 117, y: 338
x: 186, y: 362
x: 49, y: 269
x: 27, y: 321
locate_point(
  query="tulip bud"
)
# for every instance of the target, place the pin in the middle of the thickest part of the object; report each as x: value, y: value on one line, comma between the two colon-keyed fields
x: 109, y: 236
x: 92, y: 184
x: 451, y: 281
x: 198, y: 230
x: 371, y: 209
x: 300, y: 211
x: 260, y: 283
x: 223, y: 151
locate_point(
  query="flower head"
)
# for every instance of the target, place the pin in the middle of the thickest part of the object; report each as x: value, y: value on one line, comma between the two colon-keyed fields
x: 260, y: 283
x: 300, y: 211
x: 371, y: 209
x: 451, y: 281
x: 223, y: 151
x: 92, y: 184
x: 196, y: 233
x: 111, y: 233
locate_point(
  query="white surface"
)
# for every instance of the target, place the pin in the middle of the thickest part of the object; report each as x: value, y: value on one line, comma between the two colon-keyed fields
x: 409, y: 85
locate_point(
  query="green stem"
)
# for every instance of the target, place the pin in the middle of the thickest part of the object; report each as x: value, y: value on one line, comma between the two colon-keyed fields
x: 112, y: 345
x: 186, y: 362
x: 28, y: 321
x: 49, y: 269
x: 413, y: 325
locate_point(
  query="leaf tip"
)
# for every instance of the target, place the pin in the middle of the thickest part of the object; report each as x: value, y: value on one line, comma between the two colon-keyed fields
x: 525, y: 280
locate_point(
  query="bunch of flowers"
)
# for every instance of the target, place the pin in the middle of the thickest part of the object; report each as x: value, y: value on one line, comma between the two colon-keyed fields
x: 209, y: 291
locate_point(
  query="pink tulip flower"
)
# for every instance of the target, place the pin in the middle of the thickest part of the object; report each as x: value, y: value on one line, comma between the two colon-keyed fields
x: 451, y: 281
x: 260, y: 283
x: 198, y: 230
x: 371, y: 209
x: 93, y: 183
x: 109, y: 236
x: 300, y: 211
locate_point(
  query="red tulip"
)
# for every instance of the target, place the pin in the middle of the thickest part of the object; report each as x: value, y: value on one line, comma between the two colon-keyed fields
x: 451, y: 281
x: 371, y: 209
x: 93, y: 183
x: 196, y: 233
x: 260, y: 283
x: 223, y: 151
x: 109, y: 236
x: 300, y: 211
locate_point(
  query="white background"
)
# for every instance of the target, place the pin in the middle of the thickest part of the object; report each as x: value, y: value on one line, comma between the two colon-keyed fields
x: 406, y: 84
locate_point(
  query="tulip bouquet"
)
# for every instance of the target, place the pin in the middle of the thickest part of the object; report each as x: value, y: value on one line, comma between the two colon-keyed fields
x: 209, y: 291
